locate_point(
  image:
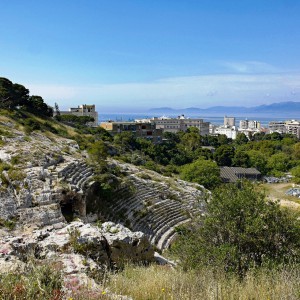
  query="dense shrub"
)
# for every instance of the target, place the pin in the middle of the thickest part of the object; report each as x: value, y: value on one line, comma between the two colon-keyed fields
x: 241, y: 230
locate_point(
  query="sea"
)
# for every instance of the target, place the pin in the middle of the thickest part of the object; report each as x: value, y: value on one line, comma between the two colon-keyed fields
x: 213, y: 119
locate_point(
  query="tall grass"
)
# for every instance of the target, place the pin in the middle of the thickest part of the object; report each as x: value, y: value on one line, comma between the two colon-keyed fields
x: 37, y: 282
x: 158, y: 282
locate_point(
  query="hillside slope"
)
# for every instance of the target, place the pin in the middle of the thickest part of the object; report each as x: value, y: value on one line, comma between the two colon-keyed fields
x: 50, y: 193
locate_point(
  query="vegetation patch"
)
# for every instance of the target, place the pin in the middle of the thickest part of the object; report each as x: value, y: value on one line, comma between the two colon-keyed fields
x: 36, y: 282
x: 241, y: 231
x: 9, y: 224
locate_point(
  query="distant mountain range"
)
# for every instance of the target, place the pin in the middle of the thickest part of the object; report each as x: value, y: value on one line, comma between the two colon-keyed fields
x: 287, y: 108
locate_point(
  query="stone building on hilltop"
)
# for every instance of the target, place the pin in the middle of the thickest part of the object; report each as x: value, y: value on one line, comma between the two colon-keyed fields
x: 83, y: 110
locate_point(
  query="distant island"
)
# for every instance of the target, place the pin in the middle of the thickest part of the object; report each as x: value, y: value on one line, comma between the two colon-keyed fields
x: 290, y: 108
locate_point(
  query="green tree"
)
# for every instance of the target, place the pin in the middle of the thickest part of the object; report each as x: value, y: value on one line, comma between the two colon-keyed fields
x: 241, y: 159
x: 258, y: 160
x: 241, y: 139
x: 204, y: 172
x: 37, y: 106
x: 296, y: 151
x: 98, y: 151
x: 209, y: 140
x: 279, y: 162
x: 125, y: 139
x: 12, y: 95
x: 259, y: 136
x: 224, y: 155
x: 191, y: 140
x: 224, y: 140
x: 241, y: 230
x: 296, y: 173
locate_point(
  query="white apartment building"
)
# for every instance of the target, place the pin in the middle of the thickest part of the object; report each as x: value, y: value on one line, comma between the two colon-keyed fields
x: 249, y: 124
x: 289, y: 126
x: 293, y: 127
x: 83, y: 110
x: 243, y: 124
x: 181, y: 123
x: 230, y: 132
x: 253, y: 124
x: 277, y: 126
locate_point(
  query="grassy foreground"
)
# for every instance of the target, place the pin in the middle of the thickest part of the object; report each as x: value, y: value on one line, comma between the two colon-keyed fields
x: 158, y: 282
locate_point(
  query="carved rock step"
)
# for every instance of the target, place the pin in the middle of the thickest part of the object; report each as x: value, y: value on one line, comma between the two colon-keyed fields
x: 165, y: 219
x: 152, y: 228
x: 151, y: 216
x: 166, y: 224
x: 164, y: 237
x: 171, y: 236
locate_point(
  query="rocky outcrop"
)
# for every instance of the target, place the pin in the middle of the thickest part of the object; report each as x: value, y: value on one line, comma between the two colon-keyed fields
x: 125, y: 245
x: 83, y: 251
x: 51, y: 183
x: 46, y: 180
x: 108, y: 244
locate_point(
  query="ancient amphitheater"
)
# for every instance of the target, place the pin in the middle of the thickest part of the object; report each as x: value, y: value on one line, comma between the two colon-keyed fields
x: 58, y: 186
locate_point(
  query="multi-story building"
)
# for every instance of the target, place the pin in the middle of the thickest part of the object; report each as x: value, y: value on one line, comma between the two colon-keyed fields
x: 230, y: 132
x: 168, y: 124
x: 83, y: 110
x: 277, y: 126
x: 253, y: 124
x: 227, y: 129
x: 181, y: 124
x: 229, y: 121
x: 118, y: 127
x: 249, y: 124
x: 293, y: 127
x: 144, y: 130
x: 243, y: 124
x: 289, y: 126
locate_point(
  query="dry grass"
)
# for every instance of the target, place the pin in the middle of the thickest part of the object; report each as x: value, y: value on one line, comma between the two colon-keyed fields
x: 155, y: 283
x: 158, y: 282
x: 276, y: 191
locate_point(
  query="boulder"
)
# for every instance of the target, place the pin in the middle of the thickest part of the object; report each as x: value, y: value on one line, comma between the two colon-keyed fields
x: 126, y: 245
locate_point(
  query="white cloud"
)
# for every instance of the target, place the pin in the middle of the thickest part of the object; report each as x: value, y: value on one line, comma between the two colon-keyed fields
x: 179, y: 92
x: 254, y: 67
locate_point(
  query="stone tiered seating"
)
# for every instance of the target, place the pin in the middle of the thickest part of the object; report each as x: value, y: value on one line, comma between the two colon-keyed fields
x: 168, y: 236
x: 164, y: 226
x: 76, y: 173
x: 159, y: 210
x: 148, y: 211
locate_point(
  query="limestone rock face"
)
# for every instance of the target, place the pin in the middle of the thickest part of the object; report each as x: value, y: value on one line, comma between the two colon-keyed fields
x: 83, y: 251
x: 126, y: 245
x: 110, y: 244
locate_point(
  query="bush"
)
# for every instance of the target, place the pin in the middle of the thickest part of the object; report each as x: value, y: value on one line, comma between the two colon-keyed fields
x: 30, y: 125
x: 98, y: 151
x: 48, y: 127
x: 241, y: 231
x: 205, y: 172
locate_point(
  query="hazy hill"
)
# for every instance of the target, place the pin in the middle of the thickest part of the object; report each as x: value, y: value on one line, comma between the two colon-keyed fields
x: 274, y: 108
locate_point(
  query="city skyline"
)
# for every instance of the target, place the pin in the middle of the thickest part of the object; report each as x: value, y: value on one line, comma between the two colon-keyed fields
x: 133, y: 55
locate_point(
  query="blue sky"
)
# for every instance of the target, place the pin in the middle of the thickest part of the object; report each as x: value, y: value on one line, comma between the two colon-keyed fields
x: 131, y: 55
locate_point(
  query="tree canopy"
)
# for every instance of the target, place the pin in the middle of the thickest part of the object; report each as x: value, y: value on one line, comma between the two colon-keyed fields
x: 13, y: 95
x: 241, y: 230
x: 204, y: 172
